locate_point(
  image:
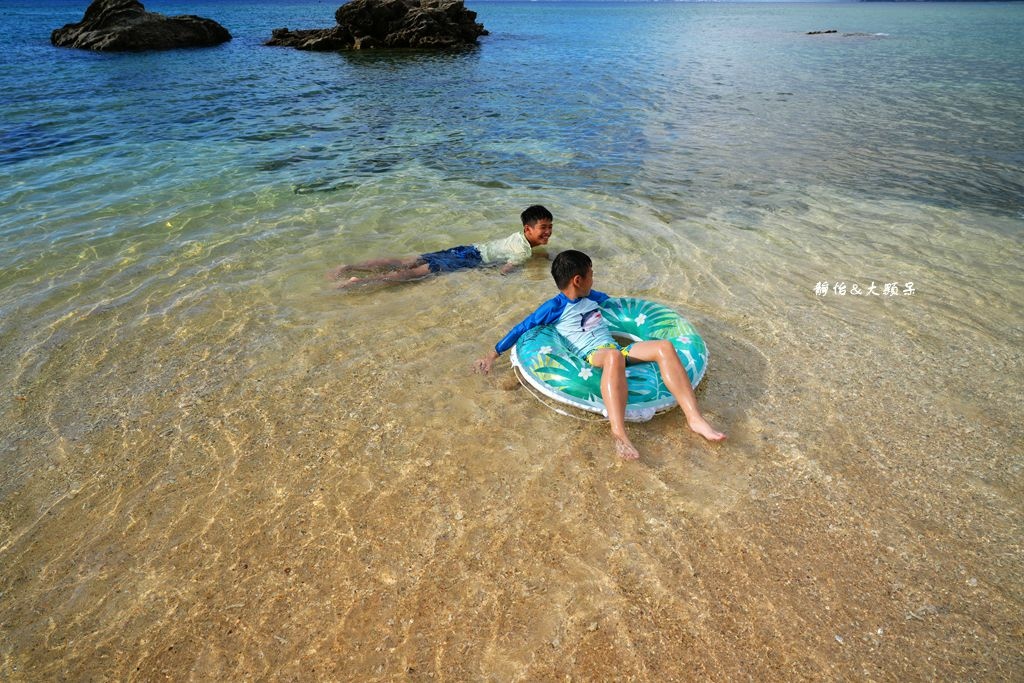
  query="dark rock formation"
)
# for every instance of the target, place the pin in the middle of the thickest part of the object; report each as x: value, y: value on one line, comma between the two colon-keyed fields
x: 833, y: 31
x: 125, y: 25
x: 367, y: 24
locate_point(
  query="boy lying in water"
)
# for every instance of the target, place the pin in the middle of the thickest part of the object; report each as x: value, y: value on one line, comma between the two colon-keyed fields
x: 510, y: 252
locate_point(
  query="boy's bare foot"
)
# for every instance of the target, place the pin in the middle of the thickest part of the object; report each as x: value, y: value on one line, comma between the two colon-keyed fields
x: 348, y: 283
x: 625, y: 449
x: 704, y: 428
x: 336, y: 273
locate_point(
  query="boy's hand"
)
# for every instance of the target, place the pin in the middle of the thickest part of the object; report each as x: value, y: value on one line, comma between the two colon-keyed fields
x: 484, y: 365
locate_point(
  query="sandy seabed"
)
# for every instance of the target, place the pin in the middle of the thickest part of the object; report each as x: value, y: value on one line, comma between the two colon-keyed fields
x: 261, y: 484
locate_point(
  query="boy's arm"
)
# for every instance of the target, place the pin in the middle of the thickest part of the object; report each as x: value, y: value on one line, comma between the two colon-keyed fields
x: 523, y: 252
x: 485, y: 363
x: 517, y: 260
x: 545, y: 315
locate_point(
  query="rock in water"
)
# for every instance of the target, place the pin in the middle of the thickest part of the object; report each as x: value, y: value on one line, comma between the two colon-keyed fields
x: 367, y: 24
x: 125, y: 25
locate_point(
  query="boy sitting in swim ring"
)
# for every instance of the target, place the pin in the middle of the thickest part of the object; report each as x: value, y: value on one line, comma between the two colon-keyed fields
x: 576, y: 315
x: 511, y: 251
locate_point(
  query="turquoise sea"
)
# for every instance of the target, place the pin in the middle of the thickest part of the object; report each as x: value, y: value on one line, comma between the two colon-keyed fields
x: 215, y: 466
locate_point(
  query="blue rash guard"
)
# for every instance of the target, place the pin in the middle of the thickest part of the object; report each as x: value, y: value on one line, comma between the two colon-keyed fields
x: 578, y: 320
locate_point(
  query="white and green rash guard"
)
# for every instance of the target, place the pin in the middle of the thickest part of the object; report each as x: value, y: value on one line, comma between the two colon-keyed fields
x: 578, y: 320
x: 512, y: 249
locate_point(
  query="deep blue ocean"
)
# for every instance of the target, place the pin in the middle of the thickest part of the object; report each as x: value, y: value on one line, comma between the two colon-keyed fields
x: 647, y: 99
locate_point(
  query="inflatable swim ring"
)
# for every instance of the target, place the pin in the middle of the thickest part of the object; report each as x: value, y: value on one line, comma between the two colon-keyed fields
x: 544, y: 359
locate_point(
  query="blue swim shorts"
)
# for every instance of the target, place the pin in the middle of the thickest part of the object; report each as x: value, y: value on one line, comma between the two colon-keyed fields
x: 455, y: 258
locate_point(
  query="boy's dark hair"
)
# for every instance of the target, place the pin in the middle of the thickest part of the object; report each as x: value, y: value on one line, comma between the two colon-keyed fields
x: 569, y: 264
x: 534, y: 213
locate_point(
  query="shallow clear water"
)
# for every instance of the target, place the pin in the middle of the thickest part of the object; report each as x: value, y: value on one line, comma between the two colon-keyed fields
x: 212, y: 462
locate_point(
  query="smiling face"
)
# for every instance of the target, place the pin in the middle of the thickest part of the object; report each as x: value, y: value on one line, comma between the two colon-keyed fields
x: 539, y: 233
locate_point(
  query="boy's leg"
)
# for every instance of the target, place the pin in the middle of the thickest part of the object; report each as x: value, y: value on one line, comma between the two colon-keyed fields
x: 409, y: 273
x: 678, y: 382
x: 614, y: 392
x: 375, y: 264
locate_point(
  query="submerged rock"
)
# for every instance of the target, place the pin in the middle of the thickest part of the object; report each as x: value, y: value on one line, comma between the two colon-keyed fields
x: 833, y: 31
x: 125, y: 25
x: 368, y: 24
